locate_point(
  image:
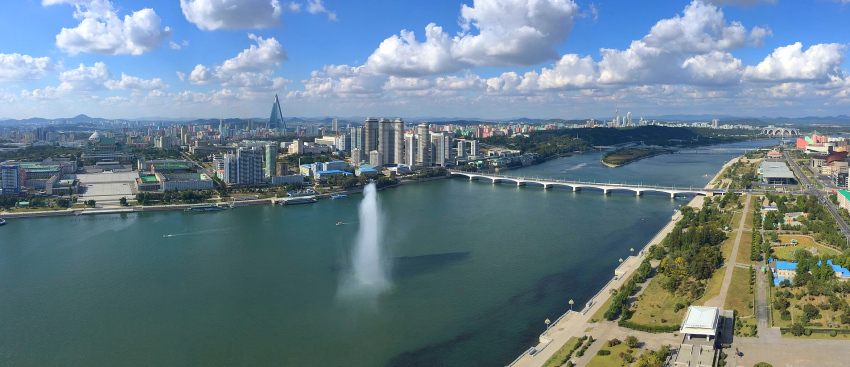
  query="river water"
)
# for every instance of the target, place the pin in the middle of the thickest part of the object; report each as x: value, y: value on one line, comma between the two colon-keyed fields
x: 476, y: 268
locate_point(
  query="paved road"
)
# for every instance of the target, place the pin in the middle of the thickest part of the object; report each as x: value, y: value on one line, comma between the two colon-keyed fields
x: 720, y: 299
x: 808, y: 183
x: 763, y: 308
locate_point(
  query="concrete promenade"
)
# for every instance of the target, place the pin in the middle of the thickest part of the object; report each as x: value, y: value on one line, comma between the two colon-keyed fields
x: 575, y: 323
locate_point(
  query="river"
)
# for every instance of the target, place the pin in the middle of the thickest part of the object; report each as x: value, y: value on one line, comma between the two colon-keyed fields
x: 476, y: 268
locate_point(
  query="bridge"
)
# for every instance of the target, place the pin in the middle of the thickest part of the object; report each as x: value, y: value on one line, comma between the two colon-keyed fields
x: 606, y: 188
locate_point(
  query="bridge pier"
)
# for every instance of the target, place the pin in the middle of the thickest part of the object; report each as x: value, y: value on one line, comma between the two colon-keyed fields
x: 576, y: 188
x: 638, y: 193
x: 520, y: 183
x: 472, y: 178
x: 606, y: 191
x: 495, y: 181
x: 546, y: 186
x: 672, y: 195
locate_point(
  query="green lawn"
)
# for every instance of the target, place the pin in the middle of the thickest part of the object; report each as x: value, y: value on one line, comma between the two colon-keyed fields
x: 558, y: 357
x: 611, y: 360
x: 803, y: 242
x: 726, y: 247
x: 712, y: 288
x: 656, y: 306
x: 739, y: 297
x: 748, y: 221
x: 744, y: 248
x: 736, y: 220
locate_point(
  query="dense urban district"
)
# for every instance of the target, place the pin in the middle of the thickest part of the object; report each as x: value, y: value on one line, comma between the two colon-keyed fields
x: 753, y: 271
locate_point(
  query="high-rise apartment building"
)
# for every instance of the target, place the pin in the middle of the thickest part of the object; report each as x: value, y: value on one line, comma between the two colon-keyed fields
x: 271, y: 160
x: 335, y: 126
x: 423, y: 145
x: 357, y: 136
x: 245, y: 167
x: 441, y: 148
x: 10, y: 175
x: 370, y: 137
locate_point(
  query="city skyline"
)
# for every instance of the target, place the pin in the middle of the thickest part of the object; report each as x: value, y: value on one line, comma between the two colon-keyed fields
x: 548, y: 59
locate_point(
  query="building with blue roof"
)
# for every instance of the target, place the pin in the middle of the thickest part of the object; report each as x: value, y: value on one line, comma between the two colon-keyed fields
x: 320, y: 175
x: 788, y: 270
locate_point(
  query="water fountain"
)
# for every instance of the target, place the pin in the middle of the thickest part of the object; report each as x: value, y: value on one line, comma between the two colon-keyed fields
x: 369, y: 273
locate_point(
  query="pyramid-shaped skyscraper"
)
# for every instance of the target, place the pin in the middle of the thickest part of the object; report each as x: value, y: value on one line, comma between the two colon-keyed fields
x: 276, y: 120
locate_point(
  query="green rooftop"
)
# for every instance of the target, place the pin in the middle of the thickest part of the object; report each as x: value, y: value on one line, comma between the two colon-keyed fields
x: 148, y: 179
x: 845, y: 193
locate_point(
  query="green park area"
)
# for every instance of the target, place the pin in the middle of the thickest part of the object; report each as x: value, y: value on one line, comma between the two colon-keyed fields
x: 740, y: 294
x: 563, y: 354
x: 656, y: 306
x: 610, y: 358
x: 623, y: 156
x: 712, y: 288
x: 745, y: 247
x: 787, y: 252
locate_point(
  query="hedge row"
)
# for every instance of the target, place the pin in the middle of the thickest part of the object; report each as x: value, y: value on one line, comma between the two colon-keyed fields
x: 649, y: 328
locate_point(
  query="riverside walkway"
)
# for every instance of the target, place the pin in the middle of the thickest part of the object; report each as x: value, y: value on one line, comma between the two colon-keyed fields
x: 606, y: 188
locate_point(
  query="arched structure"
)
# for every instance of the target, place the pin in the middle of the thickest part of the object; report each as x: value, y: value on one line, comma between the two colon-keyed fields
x: 780, y: 131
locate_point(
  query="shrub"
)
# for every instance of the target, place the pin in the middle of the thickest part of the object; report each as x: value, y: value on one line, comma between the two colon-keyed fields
x: 614, y: 342
x: 763, y: 364
x: 833, y: 333
x: 603, y: 352
x: 807, y: 331
x: 797, y: 329
x: 569, y: 364
x: 632, y: 341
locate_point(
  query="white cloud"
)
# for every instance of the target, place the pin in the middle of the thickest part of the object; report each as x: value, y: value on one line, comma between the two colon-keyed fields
x: 744, y: 3
x: 316, y: 7
x: 88, y: 79
x: 264, y: 54
x: 495, y: 33
x: 176, y: 46
x: 17, y: 68
x: 714, y: 68
x: 102, y: 31
x: 401, y: 83
x: 211, y: 15
x: 250, y: 70
x: 135, y: 83
x: 790, y: 63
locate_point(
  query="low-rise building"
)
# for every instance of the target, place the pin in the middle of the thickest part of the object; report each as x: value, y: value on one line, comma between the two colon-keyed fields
x: 185, y: 181
x: 775, y: 173
x: 322, y: 175
x: 844, y: 199
x: 288, y: 179
x: 701, y: 328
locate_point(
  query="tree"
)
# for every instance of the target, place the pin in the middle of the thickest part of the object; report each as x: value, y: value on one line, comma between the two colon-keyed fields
x: 123, y: 201
x: 797, y: 329
x: 90, y: 203
x: 632, y: 341
x: 63, y: 202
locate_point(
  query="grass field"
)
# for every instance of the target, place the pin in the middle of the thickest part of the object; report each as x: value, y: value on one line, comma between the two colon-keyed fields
x: 556, y: 358
x: 803, y: 242
x: 655, y: 306
x: 611, y: 360
x: 736, y: 219
x: 712, y: 288
x: 745, y: 247
x: 748, y: 222
x: 739, y: 297
x: 726, y: 247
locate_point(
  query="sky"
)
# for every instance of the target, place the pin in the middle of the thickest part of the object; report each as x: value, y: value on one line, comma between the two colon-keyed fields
x: 491, y: 59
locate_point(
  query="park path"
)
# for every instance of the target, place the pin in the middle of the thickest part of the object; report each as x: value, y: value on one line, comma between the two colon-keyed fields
x: 720, y: 300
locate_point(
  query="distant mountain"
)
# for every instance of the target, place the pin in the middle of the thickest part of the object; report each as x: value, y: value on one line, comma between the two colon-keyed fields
x: 160, y: 118
x: 811, y: 120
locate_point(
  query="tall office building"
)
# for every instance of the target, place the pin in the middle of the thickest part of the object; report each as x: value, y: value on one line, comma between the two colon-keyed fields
x: 423, y: 145
x: 271, y: 160
x: 11, y: 179
x: 335, y: 126
x: 276, y: 122
x: 370, y: 138
x: 714, y: 123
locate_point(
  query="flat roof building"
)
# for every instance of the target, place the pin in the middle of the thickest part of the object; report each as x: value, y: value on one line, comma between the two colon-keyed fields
x: 776, y: 173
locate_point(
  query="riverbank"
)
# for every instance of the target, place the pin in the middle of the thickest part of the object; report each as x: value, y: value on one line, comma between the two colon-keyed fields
x: 576, y: 323
x: 154, y: 208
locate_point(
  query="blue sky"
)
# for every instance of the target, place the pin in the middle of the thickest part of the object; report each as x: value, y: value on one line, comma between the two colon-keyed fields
x: 474, y: 58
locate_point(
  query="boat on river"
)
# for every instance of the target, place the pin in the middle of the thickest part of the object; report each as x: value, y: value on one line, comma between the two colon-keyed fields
x: 2, y: 221
x: 339, y: 196
x: 204, y: 208
x: 297, y: 200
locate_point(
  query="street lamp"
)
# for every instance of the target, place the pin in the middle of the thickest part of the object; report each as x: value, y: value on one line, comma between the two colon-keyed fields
x: 632, y: 250
x: 547, y: 322
x: 571, y: 305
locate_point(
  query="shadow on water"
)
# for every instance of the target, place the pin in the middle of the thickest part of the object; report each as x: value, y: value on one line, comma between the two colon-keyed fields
x: 408, y: 266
